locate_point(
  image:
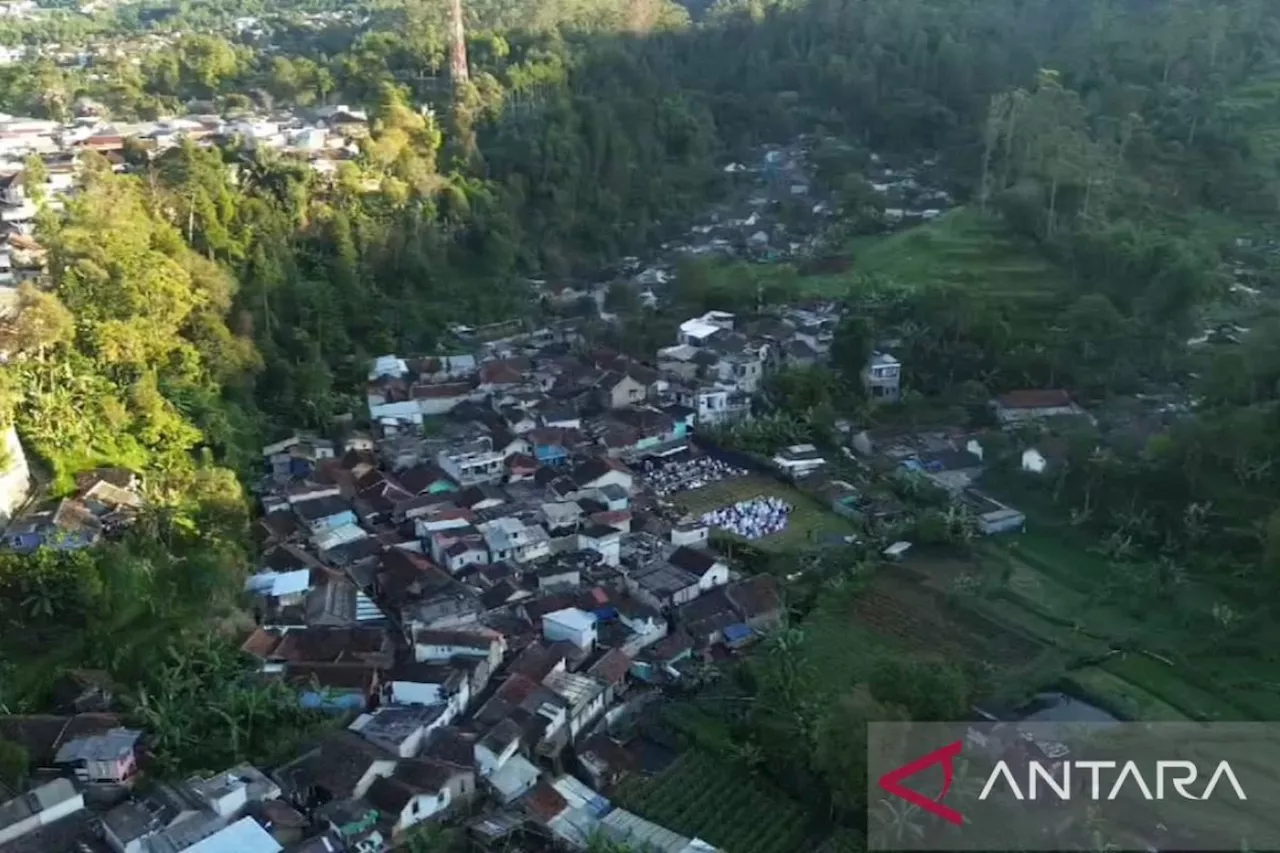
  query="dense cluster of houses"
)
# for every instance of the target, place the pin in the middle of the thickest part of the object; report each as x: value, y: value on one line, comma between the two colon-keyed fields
x: 482, y: 586
x: 323, y: 138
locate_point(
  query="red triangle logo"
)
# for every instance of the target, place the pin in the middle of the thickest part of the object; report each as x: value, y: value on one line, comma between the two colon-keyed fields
x: 891, y: 782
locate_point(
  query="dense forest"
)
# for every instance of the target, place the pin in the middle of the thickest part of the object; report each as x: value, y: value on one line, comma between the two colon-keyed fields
x: 213, y: 297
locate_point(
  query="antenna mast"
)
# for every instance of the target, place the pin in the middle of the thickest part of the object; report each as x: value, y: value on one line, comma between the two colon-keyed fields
x: 458, y: 61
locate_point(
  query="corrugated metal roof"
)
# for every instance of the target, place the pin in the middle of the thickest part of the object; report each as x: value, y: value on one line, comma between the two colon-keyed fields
x: 579, y: 795
x: 634, y: 830
x: 279, y: 584
x: 243, y: 836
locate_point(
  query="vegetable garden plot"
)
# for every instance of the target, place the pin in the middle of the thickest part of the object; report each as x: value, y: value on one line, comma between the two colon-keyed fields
x: 916, y: 617
x: 701, y: 796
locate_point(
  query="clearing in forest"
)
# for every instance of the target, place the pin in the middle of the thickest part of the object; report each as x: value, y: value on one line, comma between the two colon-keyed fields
x: 808, y: 523
x: 962, y: 247
x: 724, y: 804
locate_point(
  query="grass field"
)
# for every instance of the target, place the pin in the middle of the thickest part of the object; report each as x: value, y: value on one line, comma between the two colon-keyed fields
x: 1036, y: 592
x: 703, y: 797
x: 960, y: 248
x: 809, y: 519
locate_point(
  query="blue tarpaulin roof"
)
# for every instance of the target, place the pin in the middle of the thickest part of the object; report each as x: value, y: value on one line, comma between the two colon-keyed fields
x: 736, y: 633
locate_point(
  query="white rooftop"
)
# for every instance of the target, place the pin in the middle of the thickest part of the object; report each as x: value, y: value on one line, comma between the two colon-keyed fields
x: 388, y: 365
x: 897, y: 549
x: 571, y: 618
x: 514, y: 777
x: 243, y: 836
x: 883, y: 358
x: 696, y: 328
x: 279, y: 584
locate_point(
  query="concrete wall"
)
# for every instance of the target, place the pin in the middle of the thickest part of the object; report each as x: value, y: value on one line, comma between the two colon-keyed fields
x: 15, y: 480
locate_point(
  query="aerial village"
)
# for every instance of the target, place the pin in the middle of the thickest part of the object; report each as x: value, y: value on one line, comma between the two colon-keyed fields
x: 495, y: 579
x: 492, y: 588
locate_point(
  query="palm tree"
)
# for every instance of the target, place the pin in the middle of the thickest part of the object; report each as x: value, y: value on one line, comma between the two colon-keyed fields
x: 899, y: 821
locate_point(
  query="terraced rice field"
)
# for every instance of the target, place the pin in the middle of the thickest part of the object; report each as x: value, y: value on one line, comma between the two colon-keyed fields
x: 959, y: 248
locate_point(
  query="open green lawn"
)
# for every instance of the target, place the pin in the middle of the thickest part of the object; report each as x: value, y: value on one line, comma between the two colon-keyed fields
x: 703, y: 797
x: 960, y: 248
x: 809, y: 519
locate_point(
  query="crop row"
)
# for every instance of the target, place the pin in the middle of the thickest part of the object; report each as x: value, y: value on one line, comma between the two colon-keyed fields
x: 720, y: 803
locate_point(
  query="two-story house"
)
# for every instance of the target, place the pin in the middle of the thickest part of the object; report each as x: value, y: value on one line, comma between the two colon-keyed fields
x: 618, y: 390
x: 472, y: 461
x: 714, y: 404
x: 510, y: 538
x: 884, y: 378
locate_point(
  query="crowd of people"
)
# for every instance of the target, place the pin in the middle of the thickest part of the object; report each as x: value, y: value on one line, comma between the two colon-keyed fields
x: 751, y: 519
x: 683, y: 475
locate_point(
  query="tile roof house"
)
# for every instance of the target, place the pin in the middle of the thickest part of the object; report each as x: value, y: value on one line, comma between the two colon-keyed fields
x: 611, y: 671
x: 342, y: 765
x: 419, y: 790
x: 1021, y: 406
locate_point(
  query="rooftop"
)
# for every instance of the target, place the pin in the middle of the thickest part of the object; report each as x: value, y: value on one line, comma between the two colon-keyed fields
x: 111, y: 746
x: 661, y: 579
x: 34, y: 802
x: 243, y: 836
x: 391, y: 725
x: 571, y: 618
x: 1035, y: 399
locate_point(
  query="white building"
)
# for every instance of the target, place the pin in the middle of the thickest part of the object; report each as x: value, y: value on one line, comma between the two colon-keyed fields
x: 509, y: 538
x: 697, y: 331
x: 884, y: 377
x: 472, y: 462
x: 799, y: 460
x: 244, y: 836
x: 572, y: 625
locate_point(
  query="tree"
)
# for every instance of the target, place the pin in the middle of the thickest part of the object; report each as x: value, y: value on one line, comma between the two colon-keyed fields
x: 433, y: 838
x: 35, y: 178
x: 851, y: 349
x: 928, y: 690
x: 40, y: 323
x: 840, y: 749
x: 14, y: 764
x: 622, y: 299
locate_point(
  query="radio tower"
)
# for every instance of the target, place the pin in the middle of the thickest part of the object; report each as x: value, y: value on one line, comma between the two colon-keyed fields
x: 458, y: 61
